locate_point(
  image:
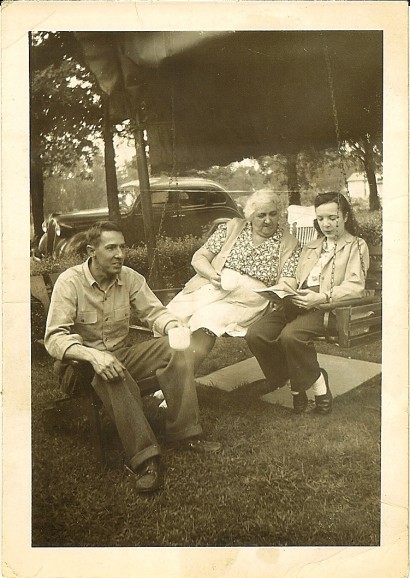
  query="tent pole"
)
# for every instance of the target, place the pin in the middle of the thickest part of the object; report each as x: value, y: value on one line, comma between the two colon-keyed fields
x: 146, y: 202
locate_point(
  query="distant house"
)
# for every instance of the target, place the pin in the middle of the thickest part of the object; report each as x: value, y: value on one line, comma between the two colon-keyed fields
x: 359, y: 187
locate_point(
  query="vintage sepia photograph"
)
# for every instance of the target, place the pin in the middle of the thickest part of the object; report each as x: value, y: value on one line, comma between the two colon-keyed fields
x: 214, y: 214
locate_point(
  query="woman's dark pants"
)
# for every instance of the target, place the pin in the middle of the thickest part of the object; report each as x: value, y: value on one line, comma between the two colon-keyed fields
x: 285, y: 350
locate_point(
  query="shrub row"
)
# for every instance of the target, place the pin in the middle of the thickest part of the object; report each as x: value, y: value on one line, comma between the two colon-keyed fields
x: 174, y: 260
x: 173, y: 255
x: 369, y: 225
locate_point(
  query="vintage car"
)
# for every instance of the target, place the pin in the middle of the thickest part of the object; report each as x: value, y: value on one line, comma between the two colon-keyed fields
x: 186, y: 206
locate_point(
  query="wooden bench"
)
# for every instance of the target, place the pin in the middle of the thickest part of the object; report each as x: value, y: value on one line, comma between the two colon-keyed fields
x: 300, y: 219
x: 356, y: 321
x: 359, y: 320
x: 303, y: 234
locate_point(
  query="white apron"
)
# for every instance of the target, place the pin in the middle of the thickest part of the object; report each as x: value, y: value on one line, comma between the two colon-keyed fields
x: 221, y: 311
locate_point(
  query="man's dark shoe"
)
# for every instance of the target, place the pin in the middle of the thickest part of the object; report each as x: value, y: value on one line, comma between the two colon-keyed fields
x: 148, y: 476
x: 200, y: 446
x: 300, y: 402
x: 324, y: 403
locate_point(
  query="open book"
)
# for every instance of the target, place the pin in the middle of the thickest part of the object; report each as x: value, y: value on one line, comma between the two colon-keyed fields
x: 277, y: 293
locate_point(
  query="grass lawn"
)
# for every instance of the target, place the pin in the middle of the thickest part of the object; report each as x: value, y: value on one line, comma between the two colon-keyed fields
x: 281, y: 480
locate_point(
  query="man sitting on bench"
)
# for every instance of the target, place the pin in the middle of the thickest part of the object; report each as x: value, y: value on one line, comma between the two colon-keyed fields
x: 88, y: 321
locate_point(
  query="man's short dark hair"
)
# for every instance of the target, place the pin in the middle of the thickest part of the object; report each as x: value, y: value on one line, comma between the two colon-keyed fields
x: 95, y: 232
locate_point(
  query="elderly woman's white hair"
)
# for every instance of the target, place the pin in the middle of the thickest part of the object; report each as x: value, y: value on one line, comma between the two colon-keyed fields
x: 258, y: 198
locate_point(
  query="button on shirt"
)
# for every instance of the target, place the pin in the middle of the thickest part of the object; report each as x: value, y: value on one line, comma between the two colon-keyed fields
x: 315, y: 275
x: 82, y: 313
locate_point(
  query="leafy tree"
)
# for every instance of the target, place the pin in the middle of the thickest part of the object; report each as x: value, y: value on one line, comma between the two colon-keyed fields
x: 292, y: 179
x: 74, y: 189
x: 303, y: 175
x: 65, y: 115
x: 368, y: 151
x: 128, y: 172
x: 313, y: 170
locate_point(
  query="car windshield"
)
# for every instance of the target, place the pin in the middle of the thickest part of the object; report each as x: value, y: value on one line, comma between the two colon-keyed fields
x: 192, y: 197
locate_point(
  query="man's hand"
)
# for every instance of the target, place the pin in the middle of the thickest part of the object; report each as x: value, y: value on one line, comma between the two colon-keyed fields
x: 307, y: 299
x: 107, y: 366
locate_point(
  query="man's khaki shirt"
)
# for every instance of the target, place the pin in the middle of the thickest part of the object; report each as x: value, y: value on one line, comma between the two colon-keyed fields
x: 82, y: 313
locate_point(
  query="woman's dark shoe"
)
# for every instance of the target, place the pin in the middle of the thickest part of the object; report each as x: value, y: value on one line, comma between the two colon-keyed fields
x: 324, y: 403
x: 300, y: 401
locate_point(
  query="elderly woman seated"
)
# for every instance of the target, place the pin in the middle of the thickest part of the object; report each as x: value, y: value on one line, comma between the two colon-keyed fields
x: 241, y: 256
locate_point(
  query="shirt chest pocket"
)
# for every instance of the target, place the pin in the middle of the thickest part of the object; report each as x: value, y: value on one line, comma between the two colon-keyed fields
x: 86, y: 317
x: 121, y: 314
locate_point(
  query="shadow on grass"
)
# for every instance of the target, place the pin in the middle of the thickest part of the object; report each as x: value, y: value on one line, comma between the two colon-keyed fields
x: 280, y: 480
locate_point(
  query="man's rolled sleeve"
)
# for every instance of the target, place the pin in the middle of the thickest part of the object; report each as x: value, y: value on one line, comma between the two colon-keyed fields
x: 149, y: 308
x: 57, y: 347
x: 60, y: 319
x: 160, y: 324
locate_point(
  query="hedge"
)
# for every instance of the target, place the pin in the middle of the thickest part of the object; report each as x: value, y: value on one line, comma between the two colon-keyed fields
x: 174, y: 260
x: 370, y: 226
x: 174, y: 257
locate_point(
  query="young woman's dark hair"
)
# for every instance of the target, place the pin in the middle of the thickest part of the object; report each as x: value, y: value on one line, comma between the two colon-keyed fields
x: 343, y: 204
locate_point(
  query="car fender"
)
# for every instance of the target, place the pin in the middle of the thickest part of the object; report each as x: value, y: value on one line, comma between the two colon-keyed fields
x: 75, y: 244
x: 42, y: 245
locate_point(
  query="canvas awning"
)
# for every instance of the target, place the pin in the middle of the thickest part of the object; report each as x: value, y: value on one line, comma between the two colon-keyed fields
x: 215, y: 97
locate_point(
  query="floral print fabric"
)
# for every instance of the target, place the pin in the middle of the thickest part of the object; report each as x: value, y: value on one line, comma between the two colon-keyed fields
x: 260, y: 262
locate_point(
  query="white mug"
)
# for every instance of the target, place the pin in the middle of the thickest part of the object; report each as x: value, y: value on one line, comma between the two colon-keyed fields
x: 179, y: 338
x: 229, y: 279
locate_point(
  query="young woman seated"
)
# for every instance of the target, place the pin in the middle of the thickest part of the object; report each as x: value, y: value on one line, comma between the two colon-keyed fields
x: 331, y: 268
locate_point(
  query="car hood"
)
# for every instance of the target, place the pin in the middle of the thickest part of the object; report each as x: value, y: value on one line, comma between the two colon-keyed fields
x: 82, y: 219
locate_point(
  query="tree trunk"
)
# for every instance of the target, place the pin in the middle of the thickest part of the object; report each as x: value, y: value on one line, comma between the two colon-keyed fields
x: 110, y: 168
x: 374, y: 201
x: 293, y: 182
x: 36, y: 184
x: 154, y: 277
x: 37, y: 196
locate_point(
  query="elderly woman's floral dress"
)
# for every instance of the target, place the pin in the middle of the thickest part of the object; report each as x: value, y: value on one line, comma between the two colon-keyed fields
x: 256, y: 267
